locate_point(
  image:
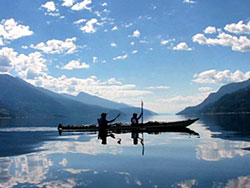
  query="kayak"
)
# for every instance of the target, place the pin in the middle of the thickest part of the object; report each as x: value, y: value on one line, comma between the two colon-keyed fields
x: 119, y: 127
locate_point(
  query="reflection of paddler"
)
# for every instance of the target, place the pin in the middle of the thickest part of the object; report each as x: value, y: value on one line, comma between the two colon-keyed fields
x: 103, y: 134
x: 135, y: 136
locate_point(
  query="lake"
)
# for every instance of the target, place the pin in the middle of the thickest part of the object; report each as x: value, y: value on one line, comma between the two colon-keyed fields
x: 34, y: 155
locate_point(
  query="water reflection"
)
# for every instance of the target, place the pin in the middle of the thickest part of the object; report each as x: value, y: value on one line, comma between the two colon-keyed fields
x: 172, y: 159
x: 135, y: 134
x: 230, y: 127
x: 224, y: 137
x: 42, y: 171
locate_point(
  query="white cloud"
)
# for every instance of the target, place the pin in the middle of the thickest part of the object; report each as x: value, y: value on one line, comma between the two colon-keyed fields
x: 57, y: 46
x: 95, y: 59
x: 210, y: 30
x: 134, y: 51
x: 136, y: 34
x: 205, y: 89
x: 68, y: 3
x: 158, y: 87
x: 50, y: 6
x: 11, y: 30
x: 113, y: 44
x: 189, y: 1
x: 1, y: 42
x: 104, y: 4
x: 89, y: 26
x: 114, y: 28
x: 7, y: 59
x: 199, y: 38
x: 120, y: 57
x: 113, y: 81
x: 164, y: 42
x: 132, y: 43
x: 27, y: 66
x: 220, y: 77
x: 238, y: 28
x: 110, y: 89
x: 127, y: 25
x: 182, y: 46
x: 241, y: 43
x: 143, y: 41
x: 237, y: 43
x: 30, y: 66
x: 75, y: 65
x: 82, y: 5
x: 80, y: 21
x: 176, y: 103
x: 54, y: 14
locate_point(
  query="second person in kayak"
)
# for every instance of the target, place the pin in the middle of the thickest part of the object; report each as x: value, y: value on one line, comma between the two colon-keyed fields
x: 135, y: 119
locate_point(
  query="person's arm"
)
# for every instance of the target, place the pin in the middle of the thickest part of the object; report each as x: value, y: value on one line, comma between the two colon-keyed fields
x: 113, y: 119
x: 140, y: 115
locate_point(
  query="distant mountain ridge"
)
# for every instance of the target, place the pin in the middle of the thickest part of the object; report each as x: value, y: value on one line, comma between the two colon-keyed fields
x: 95, y: 100
x: 236, y: 102
x: 214, y: 97
x: 25, y: 100
x: 21, y: 99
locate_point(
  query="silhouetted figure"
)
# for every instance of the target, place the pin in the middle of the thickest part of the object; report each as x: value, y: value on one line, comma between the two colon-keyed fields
x: 103, y: 134
x: 135, y: 119
x: 59, y: 128
x: 103, y: 122
x: 135, y: 136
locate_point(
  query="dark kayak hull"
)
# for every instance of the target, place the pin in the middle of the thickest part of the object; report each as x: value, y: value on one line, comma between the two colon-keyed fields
x: 146, y: 127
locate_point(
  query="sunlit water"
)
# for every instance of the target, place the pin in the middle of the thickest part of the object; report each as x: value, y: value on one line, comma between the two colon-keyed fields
x: 39, y: 157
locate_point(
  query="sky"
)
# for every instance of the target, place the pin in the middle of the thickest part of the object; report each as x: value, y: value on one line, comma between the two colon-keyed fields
x: 169, y: 53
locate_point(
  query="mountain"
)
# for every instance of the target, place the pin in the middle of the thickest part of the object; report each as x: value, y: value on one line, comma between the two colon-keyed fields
x: 21, y: 99
x: 5, y: 111
x: 27, y: 100
x: 95, y: 100
x: 90, y: 99
x: 213, y: 97
x: 237, y: 102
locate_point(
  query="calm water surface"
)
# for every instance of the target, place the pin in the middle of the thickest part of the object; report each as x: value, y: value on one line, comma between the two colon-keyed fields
x: 37, y: 157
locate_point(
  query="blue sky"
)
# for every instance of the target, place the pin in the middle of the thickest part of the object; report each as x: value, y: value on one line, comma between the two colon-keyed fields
x: 169, y: 53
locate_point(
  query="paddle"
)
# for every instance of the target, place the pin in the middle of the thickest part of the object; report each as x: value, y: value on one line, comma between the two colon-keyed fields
x: 142, y: 143
x: 117, y: 116
x: 142, y: 112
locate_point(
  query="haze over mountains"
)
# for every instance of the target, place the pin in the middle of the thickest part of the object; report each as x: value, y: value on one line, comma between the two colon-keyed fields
x: 21, y: 99
x: 231, y: 98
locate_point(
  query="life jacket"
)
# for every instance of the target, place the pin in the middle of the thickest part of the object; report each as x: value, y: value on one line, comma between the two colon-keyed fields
x: 134, y: 121
x: 102, y: 123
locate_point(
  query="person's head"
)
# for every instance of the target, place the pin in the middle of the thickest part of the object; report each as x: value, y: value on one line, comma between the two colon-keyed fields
x: 103, y: 115
x: 135, y: 115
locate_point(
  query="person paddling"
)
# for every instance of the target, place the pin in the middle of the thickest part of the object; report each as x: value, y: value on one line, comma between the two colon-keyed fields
x: 135, y: 119
x: 103, y: 122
